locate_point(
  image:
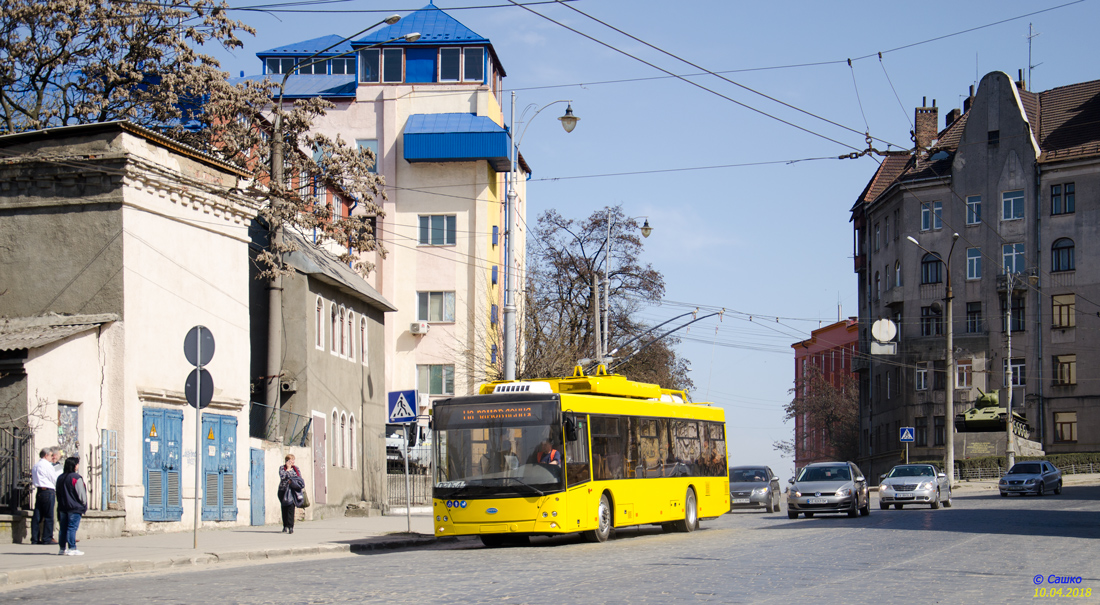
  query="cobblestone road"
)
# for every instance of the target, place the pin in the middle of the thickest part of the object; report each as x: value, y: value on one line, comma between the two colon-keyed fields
x: 985, y: 549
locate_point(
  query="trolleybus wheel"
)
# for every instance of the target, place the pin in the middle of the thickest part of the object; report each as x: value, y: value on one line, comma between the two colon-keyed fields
x: 691, y: 512
x: 603, y: 517
x: 492, y: 540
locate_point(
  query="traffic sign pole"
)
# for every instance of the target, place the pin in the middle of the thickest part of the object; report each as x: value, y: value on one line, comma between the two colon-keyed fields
x: 408, y: 492
x: 198, y: 442
x: 198, y: 356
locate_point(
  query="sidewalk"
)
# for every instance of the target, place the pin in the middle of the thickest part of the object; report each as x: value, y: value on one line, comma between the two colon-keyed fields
x: 23, y: 564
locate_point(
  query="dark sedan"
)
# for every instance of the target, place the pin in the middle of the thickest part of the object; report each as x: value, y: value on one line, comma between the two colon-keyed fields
x: 754, y: 487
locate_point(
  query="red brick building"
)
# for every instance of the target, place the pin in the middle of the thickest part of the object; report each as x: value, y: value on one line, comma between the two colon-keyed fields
x: 831, y: 349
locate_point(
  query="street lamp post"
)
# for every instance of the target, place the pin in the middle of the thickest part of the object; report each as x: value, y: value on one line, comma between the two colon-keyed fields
x: 1010, y: 450
x: 568, y: 122
x: 949, y: 395
x: 275, y: 284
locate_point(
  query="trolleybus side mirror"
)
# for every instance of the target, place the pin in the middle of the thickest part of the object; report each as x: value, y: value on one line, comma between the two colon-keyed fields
x: 570, y: 429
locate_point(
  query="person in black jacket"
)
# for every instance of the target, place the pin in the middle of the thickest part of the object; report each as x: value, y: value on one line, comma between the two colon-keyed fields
x: 291, y: 485
x: 72, y: 503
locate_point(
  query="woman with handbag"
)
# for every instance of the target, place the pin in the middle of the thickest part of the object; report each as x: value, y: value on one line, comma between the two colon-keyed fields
x: 291, y: 492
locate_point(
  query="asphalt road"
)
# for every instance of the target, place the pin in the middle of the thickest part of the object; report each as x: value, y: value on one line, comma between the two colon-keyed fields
x: 984, y: 549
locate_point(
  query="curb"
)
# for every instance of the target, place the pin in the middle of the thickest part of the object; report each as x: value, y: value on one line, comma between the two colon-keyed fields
x: 103, y: 568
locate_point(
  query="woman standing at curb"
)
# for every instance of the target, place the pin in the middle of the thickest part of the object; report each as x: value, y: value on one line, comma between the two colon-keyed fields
x: 72, y: 502
x: 291, y: 485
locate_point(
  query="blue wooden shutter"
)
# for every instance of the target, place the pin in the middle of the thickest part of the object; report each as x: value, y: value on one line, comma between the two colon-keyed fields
x: 228, y: 468
x: 152, y: 427
x: 496, y: 234
x: 495, y: 268
x: 173, y: 478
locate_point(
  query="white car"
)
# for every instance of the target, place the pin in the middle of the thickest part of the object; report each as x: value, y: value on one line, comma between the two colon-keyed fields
x: 914, y: 484
x: 1033, y: 477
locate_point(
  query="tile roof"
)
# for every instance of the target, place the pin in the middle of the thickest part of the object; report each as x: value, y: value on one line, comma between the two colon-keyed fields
x: 892, y: 166
x: 1069, y: 125
x: 33, y: 332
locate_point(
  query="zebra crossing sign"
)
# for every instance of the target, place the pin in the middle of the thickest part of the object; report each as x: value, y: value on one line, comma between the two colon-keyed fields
x: 907, y: 434
x: 402, y: 407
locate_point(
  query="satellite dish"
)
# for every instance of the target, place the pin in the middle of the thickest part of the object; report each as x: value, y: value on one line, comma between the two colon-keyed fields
x: 884, y: 330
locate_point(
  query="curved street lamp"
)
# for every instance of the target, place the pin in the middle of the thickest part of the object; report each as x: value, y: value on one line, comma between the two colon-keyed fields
x: 568, y: 122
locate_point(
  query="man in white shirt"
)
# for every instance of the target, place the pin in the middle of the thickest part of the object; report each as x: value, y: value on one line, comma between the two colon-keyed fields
x: 44, y: 476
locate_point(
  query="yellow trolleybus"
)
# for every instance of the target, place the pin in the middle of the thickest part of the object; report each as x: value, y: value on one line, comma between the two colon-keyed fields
x: 577, y: 454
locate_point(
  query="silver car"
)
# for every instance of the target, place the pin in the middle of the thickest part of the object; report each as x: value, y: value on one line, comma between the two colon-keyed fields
x: 1033, y: 477
x: 754, y: 487
x: 914, y: 484
x: 828, y: 487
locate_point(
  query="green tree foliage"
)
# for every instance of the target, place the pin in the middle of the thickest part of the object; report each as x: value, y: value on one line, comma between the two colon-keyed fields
x: 563, y: 256
x: 68, y: 62
x: 832, y: 406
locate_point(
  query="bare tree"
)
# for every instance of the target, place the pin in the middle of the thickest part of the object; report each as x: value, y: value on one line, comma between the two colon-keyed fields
x: 831, y: 406
x: 563, y: 257
x: 69, y: 62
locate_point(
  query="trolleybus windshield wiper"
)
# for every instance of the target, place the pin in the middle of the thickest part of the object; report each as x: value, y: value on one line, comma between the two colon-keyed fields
x: 527, y: 485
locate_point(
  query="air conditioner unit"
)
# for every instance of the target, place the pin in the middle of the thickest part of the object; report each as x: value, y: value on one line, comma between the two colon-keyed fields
x: 419, y: 327
x: 288, y: 386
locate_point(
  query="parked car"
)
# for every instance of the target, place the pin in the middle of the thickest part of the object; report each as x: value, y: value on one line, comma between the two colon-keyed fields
x: 828, y: 487
x: 754, y: 487
x: 914, y: 484
x: 1032, y: 477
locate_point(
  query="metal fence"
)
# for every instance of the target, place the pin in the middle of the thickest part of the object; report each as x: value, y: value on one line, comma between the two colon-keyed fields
x: 15, y: 468
x: 420, y: 487
x: 281, y: 426
x: 978, y: 474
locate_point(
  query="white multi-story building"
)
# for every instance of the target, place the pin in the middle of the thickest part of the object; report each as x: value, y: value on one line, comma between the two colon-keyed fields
x: 431, y: 111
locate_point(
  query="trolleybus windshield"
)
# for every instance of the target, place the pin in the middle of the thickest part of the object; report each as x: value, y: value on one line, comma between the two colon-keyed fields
x: 501, y: 449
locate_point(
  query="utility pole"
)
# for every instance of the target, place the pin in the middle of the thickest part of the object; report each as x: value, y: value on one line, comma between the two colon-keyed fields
x: 949, y: 395
x: 607, y: 293
x: 510, y: 343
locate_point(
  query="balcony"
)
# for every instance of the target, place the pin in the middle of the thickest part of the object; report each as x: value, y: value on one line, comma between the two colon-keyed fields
x: 860, y: 262
x: 1020, y: 282
x: 893, y: 296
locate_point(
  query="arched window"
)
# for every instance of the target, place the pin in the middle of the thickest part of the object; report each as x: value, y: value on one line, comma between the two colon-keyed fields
x: 351, y: 335
x: 335, y: 329
x: 931, y: 269
x: 343, y: 335
x: 363, y: 349
x: 897, y: 274
x: 335, y: 438
x: 887, y: 282
x: 1061, y: 255
x: 320, y: 323
x: 343, y: 440
x: 351, y: 441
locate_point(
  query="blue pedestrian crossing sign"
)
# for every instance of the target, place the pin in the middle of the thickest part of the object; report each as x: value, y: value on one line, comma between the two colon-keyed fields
x: 402, y: 407
x: 907, y: 434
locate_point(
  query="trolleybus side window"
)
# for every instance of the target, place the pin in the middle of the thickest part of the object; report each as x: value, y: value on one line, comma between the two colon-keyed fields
x: 608, y: 447
x: 576, y: 454
x: 714, y: 449
x: 687, y: 449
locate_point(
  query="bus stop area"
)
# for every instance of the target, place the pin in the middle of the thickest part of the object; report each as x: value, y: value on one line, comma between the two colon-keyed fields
x: 22, y: 565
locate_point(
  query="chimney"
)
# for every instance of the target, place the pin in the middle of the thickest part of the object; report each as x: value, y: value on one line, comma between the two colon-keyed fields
x: 951, y: 116
x: 1021, y: 84
x: 968, y: 101
x: 926, y: 121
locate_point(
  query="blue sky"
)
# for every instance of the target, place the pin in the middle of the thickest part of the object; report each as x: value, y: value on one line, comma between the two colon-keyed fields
x: 738, y: 223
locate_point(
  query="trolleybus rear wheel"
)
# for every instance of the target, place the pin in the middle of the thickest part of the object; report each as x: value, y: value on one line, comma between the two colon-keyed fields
x: 603, y: 518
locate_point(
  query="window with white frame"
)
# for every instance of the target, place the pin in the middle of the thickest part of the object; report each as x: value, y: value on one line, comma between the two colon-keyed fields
x: 473, y: 64
x: 363, y: 348
x: 436, y: 379
x: 931, y: 216
x: 450, y: 64
x: 319, y: 323
x: 351, y: 335
x: 369, y: 66
x: 372, y: 145
x: 897, y: 274
x: 435, y: 306
x: 437, y: 230
x: 335, y: 329
x: 343, y: 440
x: 886, y: 231
x: 931, y: 269
x: 1014, y: 260
x: 1017, y: 366
x: 964, y: 374
x: 343, y: 66
x: 922, y: 376
x: 343, y: 334
x: 1062, y: 255
x: 351, y: 440
x: 973, y: 210
x: 874, y: 238
x: 393, y: 65
x: 280, y: 65
x: 313, y: 67
x: 973, y: 263
x: 1012, y: 205
x: 335, y: 438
